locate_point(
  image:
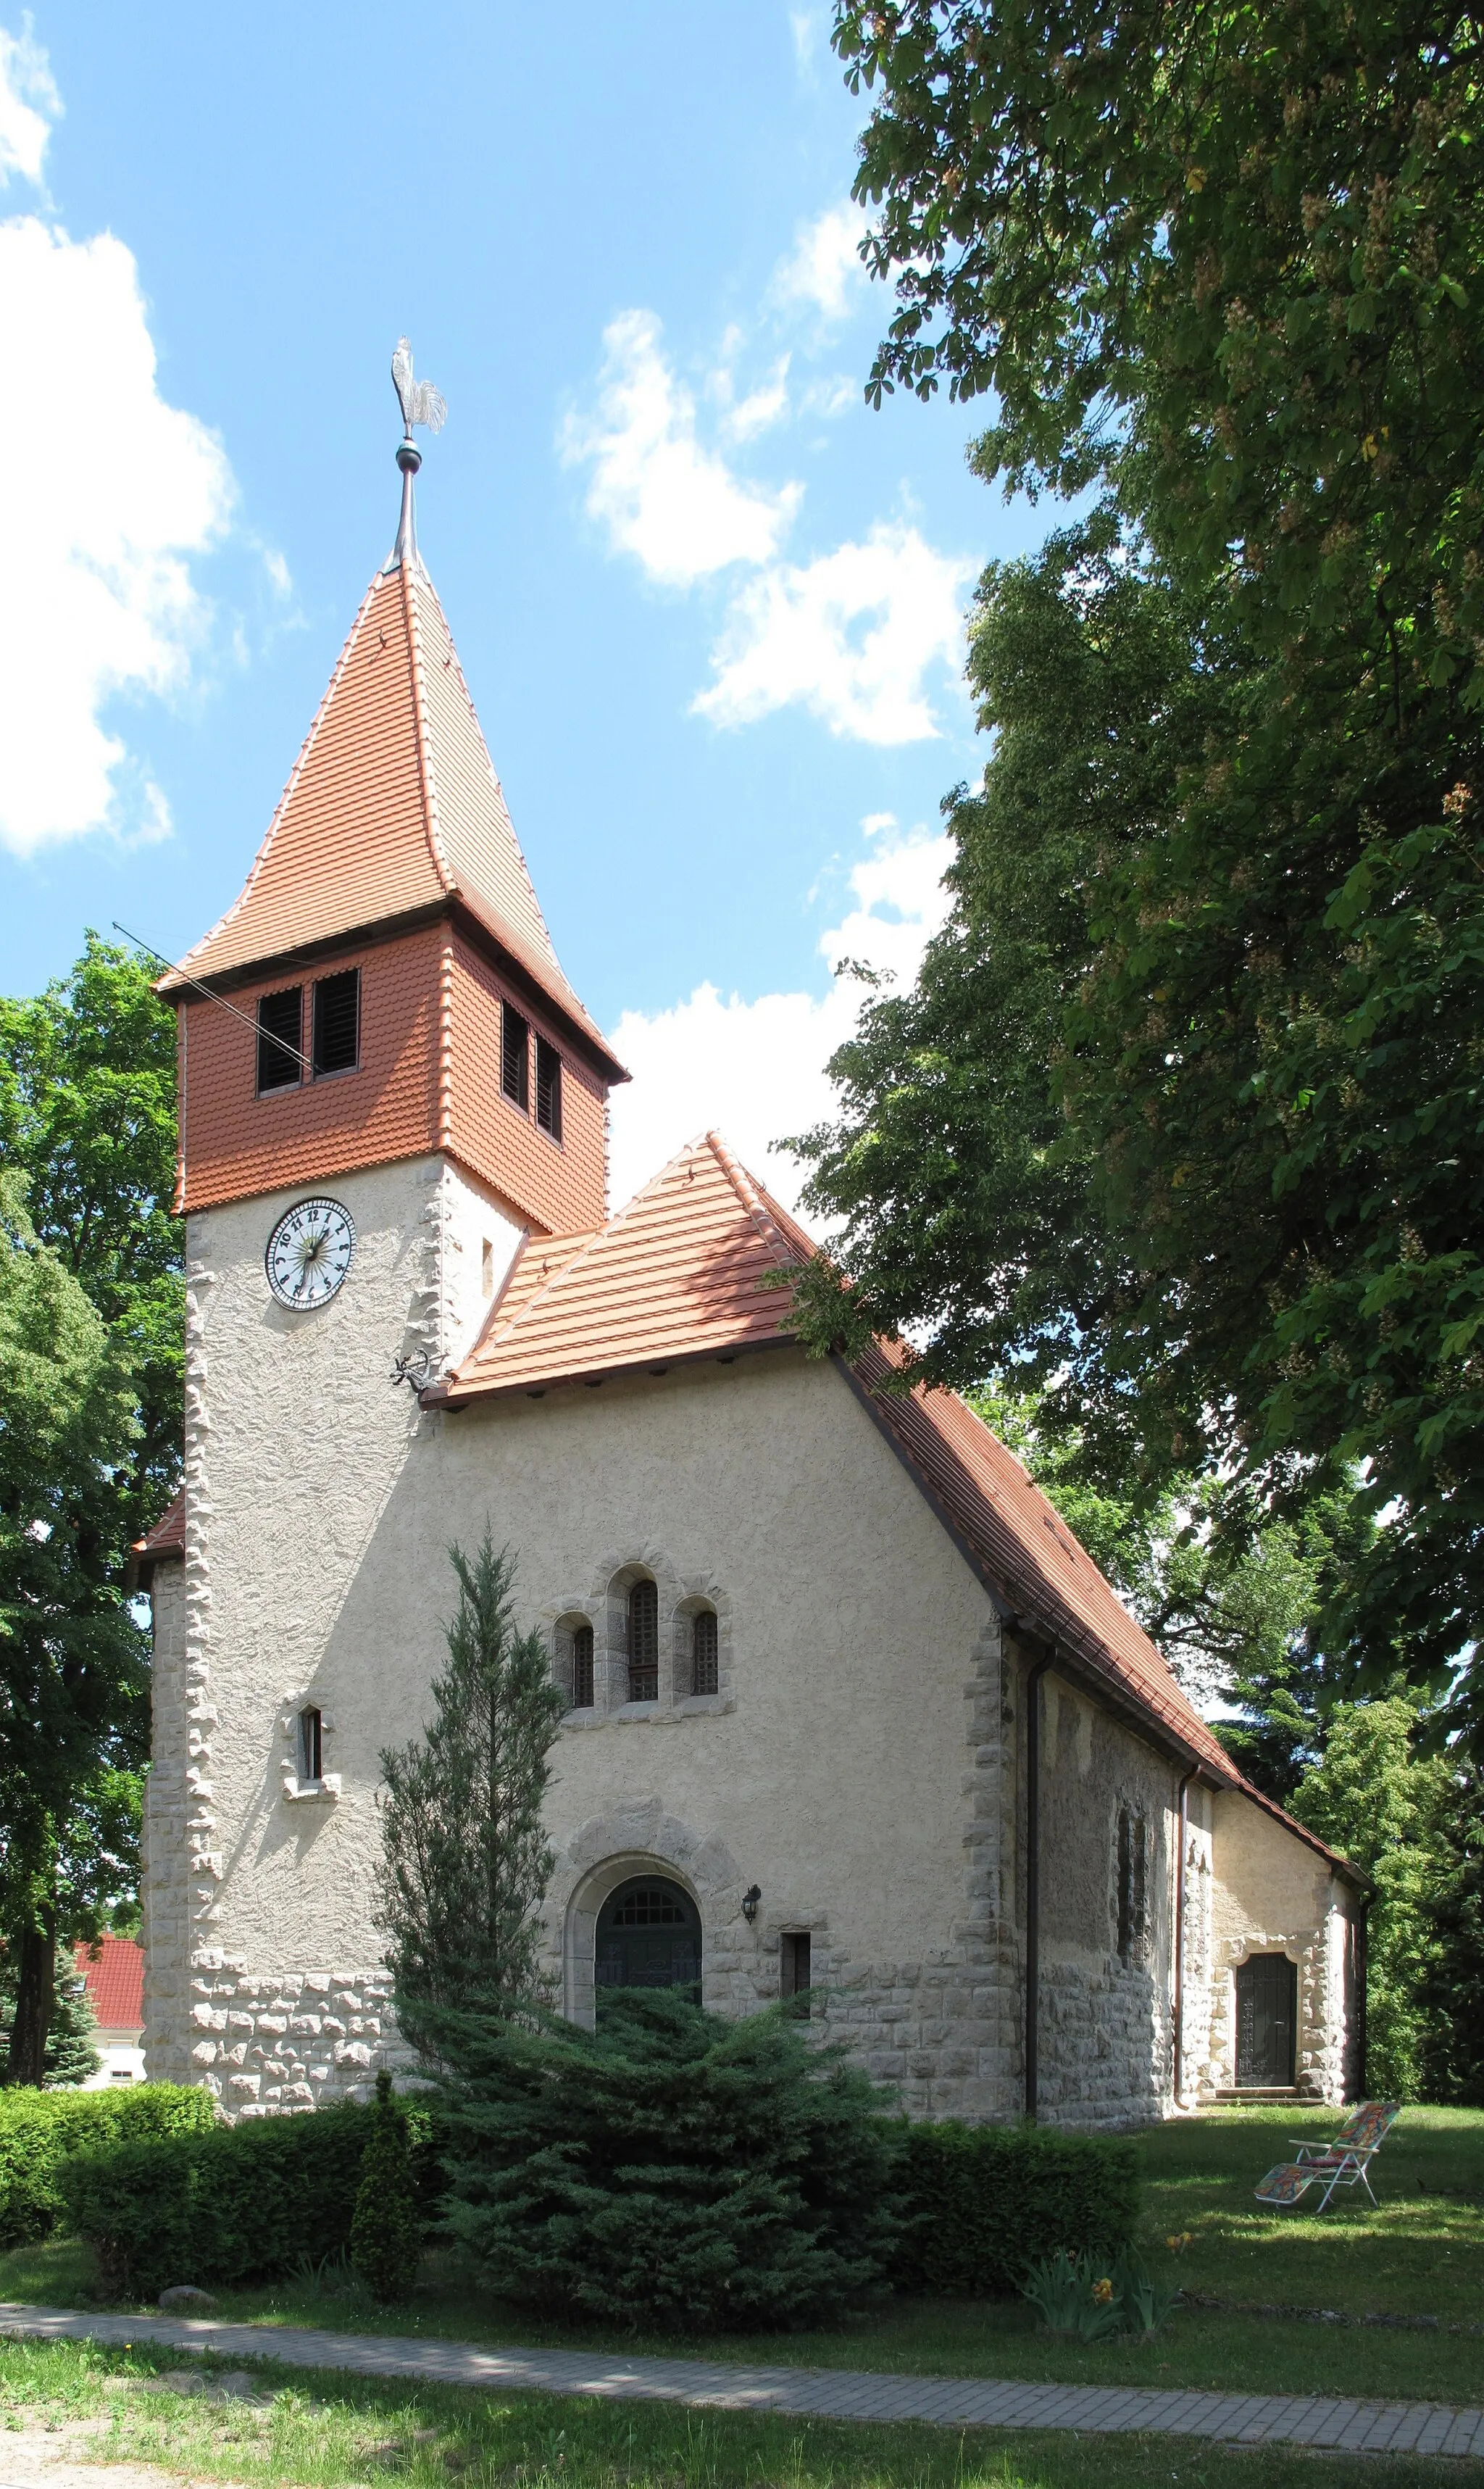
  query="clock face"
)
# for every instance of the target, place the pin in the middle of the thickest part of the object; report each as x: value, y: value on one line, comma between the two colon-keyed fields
x: 309, y: 1253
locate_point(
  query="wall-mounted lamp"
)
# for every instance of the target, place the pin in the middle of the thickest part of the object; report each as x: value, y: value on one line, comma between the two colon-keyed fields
x: 750, y: 1900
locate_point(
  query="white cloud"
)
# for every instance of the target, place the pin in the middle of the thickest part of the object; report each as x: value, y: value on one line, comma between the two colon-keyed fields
x: 652, y: 485
x: 29, y: 105
x: 116, y: 491
x: 762, y: 407
x: 119, y: 489
x: 805, y: 27
x: 849, y: 636
x: 823, y: 270
x: 755, y: 1070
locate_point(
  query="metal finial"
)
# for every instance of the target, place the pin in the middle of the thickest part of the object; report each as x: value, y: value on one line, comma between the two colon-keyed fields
x: 420, y: 403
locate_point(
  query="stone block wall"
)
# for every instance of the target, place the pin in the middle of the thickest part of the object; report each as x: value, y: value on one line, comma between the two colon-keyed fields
x: 277, y: 2044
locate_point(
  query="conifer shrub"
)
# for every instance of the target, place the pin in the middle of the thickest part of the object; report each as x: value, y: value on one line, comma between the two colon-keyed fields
x: 386, y: 2231
x: 40, y: 2132
x: 980, y: 2204
x: 671, y: 2168
x: 236, y: 2203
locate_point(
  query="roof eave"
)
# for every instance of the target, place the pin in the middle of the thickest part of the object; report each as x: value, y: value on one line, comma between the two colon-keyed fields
x: 456, y: 1395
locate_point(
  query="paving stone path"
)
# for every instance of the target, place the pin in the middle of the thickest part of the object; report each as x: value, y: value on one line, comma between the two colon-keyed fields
x: 815, y: 2394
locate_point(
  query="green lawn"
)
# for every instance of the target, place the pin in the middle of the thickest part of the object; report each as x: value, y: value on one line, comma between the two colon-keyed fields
x: 1421, y: 2253
x: 324, y: 2432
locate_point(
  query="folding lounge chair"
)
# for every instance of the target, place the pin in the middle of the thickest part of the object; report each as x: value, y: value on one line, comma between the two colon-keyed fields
x: 1343, y: 2162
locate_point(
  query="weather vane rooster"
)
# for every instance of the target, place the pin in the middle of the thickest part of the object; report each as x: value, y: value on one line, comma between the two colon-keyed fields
x: 420, y: 402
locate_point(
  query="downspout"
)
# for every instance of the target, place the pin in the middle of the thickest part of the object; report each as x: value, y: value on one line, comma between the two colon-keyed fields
x: 1183, y: 1802
x: 1032, y: 1874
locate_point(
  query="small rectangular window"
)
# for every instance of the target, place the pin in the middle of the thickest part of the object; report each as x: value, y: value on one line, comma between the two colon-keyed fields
x: 486, y: 1269
x: 548, y: 1088
x: 515, y: 1057
x: 311, y: 1753
x: 794, y: 1968
x: 581, y: 1669
x: 337, y: 1023
x: 280, y: 1036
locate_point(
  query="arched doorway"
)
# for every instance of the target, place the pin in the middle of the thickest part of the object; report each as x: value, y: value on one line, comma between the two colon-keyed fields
x: 648, y: 1935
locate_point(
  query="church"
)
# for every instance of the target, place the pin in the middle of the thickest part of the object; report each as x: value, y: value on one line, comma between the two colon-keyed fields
x: 850, y: 1710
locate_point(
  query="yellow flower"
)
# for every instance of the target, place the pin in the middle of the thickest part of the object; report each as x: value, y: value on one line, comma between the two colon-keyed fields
x: 1103, y: 2292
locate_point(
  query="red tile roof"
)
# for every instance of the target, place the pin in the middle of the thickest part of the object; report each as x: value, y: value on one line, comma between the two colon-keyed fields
x: 168, y: 1535
x: 114, y: 1971
x: 393, y: 807
x: 682, y: 1274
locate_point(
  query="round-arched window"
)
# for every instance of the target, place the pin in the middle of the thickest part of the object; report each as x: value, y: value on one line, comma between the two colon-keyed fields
x: 649, y: 1937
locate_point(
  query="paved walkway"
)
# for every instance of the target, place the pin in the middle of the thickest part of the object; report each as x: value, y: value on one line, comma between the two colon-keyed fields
x: 815, y: 2394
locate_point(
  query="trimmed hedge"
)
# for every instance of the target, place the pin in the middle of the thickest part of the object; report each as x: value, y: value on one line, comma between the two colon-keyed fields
x: 40, y: 2131
x: 980, y: 2203
x: 236, y: 2203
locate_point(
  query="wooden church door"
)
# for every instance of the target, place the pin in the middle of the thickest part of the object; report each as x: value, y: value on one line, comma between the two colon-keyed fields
x: 1267, y: 1998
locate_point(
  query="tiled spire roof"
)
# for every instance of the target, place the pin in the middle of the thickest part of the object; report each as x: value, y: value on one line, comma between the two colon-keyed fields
x: 682, y: 1275
x: 393, y: 807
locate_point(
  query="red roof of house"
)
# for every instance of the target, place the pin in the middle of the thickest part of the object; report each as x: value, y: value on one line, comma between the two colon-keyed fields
x: 682, y: 1274
x: 393, y: 807
x: 114, y: 1971
x: 167, y: 1538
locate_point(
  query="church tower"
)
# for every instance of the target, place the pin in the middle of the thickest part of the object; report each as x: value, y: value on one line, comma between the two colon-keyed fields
x: 385, y: 1082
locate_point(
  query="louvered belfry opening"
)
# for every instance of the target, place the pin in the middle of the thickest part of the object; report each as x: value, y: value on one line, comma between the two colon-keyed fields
x: 515, y: 1056
x: 336, y: 1040
x: 581, y: 1669
x: 703, y: 1653
x: 644, y: 1643
x: 280, y: 1017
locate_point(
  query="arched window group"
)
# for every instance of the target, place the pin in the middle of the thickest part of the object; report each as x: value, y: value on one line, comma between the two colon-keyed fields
x: 637, y: 1638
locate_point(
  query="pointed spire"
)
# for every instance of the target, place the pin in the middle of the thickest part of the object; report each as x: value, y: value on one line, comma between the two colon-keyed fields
x: 420, y: 403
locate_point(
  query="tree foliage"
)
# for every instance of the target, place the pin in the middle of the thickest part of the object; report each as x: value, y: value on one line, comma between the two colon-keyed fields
x: 87, y: 1116
x: 1394, y: 1809
x: 1221, y: 266
x: 673, y: 2169
x: 464, y: 1861
x: 73, y: 1672
x: 385, y: 2242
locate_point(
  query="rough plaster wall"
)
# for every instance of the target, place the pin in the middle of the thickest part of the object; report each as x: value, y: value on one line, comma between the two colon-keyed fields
x: 1273, y: 1894
x: 162, y: 1883
x: 473, y: 1217
x: 1104, y: 2029
x: 295, y: 1439
x: 830, y: 1767
x: 1195, y: 2045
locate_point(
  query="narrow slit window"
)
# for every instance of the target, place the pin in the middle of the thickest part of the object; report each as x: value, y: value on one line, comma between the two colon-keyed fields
x: 337, y: 1023
x: 644, y: 1643
x: 793, y: 1975
x: 548, y: 1088
x: 703, y: 1653
x: 311, y: 1744
x: 1132, y: 1883
x: 280, y: 1036
x: 515, y: 1057
x: 581, y: 1669
x: 486, y: 1269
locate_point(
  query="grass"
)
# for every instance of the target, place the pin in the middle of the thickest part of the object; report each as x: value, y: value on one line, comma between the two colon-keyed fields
x: 321, y: 2432
x: 1421, y: 2253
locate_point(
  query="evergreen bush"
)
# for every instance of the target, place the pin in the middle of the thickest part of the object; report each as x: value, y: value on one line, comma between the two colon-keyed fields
x: 386, y: 2232
x: 39, y: 2131
x: 235, y: 2204
x: 671, y: 2168
x: 981, y: 2203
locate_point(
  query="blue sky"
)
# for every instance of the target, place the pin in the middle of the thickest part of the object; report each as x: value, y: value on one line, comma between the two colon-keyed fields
x: 707, y: 602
